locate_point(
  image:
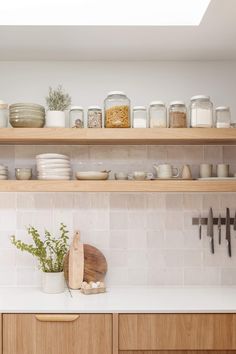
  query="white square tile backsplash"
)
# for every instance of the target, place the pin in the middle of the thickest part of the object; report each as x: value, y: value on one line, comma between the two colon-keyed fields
x: 147, y: 238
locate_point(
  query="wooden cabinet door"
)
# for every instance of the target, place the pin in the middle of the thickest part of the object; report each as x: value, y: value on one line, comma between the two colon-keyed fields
x: 177, y: 332
x: 57, y: 334
x: 179, y: 352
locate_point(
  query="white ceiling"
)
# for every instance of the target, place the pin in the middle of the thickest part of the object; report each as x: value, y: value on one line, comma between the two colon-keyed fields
x: 214, y: 39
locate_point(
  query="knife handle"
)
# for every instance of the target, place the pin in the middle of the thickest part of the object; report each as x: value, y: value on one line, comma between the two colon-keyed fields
x: 212, y: 246
x: 219, y: 236
x: 200, y: 232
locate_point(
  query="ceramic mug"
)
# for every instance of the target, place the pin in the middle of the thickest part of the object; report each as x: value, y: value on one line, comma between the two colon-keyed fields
x: 140, y: 175
x: 222, y: 170
x: 121, y: 175
x: 206, y: 170
x: 166, y: 171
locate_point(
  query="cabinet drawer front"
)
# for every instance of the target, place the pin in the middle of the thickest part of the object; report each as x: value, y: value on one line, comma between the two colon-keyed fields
x: 177, y: 331
x: 57, y: 334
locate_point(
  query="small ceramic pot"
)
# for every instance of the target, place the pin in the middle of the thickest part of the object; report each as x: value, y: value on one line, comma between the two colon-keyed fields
x: 23, y: 173
x: 56, y: 119
x: 121, y: 175
x: 222, y: 170
x: 53, y: 283
x: 206, y: 170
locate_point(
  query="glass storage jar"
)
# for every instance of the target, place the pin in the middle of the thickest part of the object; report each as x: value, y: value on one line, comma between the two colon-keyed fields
x: 139, y: 117
x: 76, y: 117
x: 117, y: 110
x: 201, y: 112
x: 94, y: 117
x: 223, y: 117
x: 157, y: 115
x: 3, y: 114
x: 178, y: 114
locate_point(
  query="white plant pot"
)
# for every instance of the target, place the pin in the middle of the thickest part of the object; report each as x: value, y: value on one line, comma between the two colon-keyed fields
x: 53, y: 283
x: 56, y: 119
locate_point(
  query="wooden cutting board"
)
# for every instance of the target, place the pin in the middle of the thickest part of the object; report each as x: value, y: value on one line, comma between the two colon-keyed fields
x: 95, y: 264
x: 76, y: 263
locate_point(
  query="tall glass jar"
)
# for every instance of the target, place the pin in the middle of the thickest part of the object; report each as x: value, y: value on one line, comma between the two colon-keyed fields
x: 76, y: 117
x: 223, y: 117
x: 201, y: 112
x: 117, y: 110
x: 178, y: 114
x: 3, y: 114
x: 94, y: 117
x: 139, y: 117
x: 157, y: 115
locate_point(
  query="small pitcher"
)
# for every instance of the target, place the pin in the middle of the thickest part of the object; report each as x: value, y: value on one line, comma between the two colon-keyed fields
x: 166, y: 171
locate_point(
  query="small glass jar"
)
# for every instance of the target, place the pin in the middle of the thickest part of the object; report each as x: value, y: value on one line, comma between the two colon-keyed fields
x: 76, y: 117
x: 201, y: 112
x: 139, y: 117
x: 223, y: 117
x: 178, y: 114
x: 3, y: 114
x: 117, y: 110
x: 157, y: 115
x: 94, y: 117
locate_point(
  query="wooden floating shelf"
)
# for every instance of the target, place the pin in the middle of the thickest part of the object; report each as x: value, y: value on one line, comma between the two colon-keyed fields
x: 117, y: 186
x: 71, y: 136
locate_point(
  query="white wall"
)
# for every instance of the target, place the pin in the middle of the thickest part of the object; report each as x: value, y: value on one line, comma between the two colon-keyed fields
x: 89, y: 82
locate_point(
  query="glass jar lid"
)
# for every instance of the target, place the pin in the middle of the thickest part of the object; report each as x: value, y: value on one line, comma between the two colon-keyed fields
x: 139, y: 108
x: 222, y: 108
x: 177, y: 103
x: 75, y: 108
x: 200, y: 98
x: 157, y: 103
x: 94, y: 108
x: 113, y: 93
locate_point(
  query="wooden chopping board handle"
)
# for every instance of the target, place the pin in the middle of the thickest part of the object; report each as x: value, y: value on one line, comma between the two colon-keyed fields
x: 76, y: 263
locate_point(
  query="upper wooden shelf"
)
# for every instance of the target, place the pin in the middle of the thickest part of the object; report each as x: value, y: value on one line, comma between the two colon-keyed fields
x: 117, y: 186
x: 70, y: 136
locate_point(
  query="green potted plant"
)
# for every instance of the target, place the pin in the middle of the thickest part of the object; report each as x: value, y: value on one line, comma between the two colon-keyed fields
x: 57, y: 102
x: 50, y: 253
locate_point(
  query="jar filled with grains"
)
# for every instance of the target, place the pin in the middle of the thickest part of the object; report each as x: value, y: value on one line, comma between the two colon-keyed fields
x: 178, y: 114
x: 139, y: 117
x: 76, y: 117
x: 157, y: 115
x: 94, y: 117
x: 117, y: 110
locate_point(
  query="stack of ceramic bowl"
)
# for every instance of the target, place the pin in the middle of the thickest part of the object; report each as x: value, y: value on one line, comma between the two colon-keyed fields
x: 53, y: 167
x: 3, y: 172
x: 26, y: 115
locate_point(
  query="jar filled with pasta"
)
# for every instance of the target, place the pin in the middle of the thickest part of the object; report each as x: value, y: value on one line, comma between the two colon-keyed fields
x: 117, y: 110
x: 178, y: 115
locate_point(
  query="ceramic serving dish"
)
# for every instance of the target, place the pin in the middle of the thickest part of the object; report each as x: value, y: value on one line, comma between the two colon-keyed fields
x: 92, y: 175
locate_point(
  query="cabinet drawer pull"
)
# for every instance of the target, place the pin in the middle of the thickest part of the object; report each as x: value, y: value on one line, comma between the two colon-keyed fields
x: 56, y: 318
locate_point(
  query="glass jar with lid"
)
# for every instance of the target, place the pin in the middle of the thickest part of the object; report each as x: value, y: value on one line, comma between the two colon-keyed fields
x: 223, y: 117
x: 76, y: 117
x: 157, y: 115
x: 94, y: 117
x: 139, y: 117
x: 117, y: 110
x: 178, y: 114
x: 3, y: 114
x: 201, y: 112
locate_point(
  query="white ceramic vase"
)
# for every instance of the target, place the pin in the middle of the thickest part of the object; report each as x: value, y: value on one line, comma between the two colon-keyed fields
x: 55, y: 119
x: 53, y: 283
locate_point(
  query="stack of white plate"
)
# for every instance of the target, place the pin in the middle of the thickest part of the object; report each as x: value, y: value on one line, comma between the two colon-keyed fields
x: 26, y: 115
x: 53, y: 167
x: 3, y: 172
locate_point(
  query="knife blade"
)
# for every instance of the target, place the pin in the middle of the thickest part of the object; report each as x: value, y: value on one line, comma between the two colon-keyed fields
x: 219, y: 228
x: 227, y: 234
x: 210, y: 229
x: 200, y: 227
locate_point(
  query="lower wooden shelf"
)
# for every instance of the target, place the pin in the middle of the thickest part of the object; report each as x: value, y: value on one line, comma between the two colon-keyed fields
x: 117, y: 186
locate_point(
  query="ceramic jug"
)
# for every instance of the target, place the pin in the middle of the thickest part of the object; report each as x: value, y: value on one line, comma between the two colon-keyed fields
x: 166, y: 171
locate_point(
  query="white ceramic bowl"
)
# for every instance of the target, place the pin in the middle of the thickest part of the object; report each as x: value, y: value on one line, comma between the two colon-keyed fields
x: 92, y: 175
x: 52, y: 156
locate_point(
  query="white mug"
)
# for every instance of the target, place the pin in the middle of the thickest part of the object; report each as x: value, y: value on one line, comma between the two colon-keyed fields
x: 206, y: 170
x: 166, y: 171
x: 121, y: 175
x: 140, y: 175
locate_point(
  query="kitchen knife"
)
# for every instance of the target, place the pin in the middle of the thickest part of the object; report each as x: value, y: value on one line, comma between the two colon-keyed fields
x: 200, y: 227
x: 235, y: 221
x: 219, y: 228
x: 228, y: 236
x: 210, y: 229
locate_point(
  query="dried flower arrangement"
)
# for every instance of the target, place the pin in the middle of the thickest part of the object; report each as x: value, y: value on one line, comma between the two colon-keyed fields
x: 58, y: 100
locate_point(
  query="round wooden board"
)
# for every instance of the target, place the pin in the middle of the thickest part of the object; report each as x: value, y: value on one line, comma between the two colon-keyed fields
x: 95, y: 264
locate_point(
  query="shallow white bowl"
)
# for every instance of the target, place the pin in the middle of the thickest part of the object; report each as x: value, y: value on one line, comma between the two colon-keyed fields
x: 52, y: 156
x: 54, y: 178
x: 92, y: 175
